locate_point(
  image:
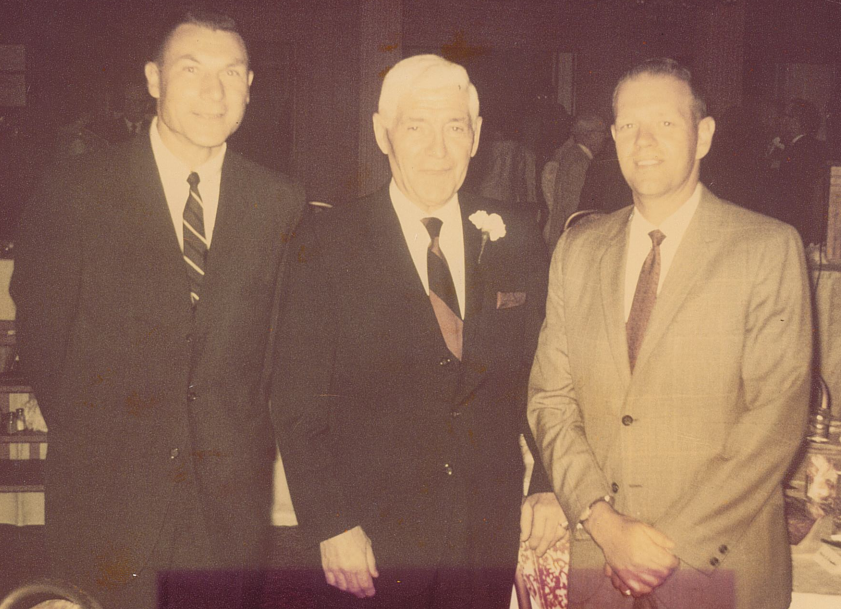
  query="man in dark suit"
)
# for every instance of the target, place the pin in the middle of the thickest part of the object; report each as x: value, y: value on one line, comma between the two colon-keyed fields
x: 132, y: 119
x: 145, y: 283
x: 399, y: 395
x: 801, y: 168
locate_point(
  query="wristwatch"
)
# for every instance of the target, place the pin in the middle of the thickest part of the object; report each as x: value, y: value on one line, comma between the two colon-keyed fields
x: 587, y: 512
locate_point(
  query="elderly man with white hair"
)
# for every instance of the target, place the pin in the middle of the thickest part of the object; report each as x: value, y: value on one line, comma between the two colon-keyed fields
x: 411, y: 321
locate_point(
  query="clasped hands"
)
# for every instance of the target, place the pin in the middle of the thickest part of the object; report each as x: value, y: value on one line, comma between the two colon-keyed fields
x: 348, y: 558
x: 638, y: 557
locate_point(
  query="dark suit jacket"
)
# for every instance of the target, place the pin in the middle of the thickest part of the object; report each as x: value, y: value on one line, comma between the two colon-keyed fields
x: 379, y: 425
x: 800, y: 203
x: 140, y: 396
x: 115, y: 130
x: 605, y: 188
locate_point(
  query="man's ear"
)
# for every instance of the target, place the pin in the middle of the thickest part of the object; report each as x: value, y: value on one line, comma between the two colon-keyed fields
x: 381, y: 133
x: 477, y: 130
x: 613, y: 132
x: 706, y: 129
x: 250, y: 80
x: 153, y: 79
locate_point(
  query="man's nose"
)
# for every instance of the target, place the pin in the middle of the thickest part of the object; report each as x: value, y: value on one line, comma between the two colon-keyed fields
x: 645, y: 137
x: 437, y: 145
x: 212, y: 87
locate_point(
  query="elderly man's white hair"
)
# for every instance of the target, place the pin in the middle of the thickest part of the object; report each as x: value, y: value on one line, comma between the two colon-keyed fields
x: 424, y: 72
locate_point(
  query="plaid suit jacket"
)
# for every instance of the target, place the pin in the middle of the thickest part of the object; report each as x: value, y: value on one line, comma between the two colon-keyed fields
x: 697, y: 440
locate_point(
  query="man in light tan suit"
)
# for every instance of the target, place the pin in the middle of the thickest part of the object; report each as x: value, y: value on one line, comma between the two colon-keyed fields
x: 670, y: 388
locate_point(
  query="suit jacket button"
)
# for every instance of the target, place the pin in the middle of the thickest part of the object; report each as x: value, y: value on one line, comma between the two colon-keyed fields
x: 445, y: 361
x: 191, y: 396
x: 448, y: 468
x: 189, y: 338
x: 455, y: 414
x: 173, y: 454
x: 614, y: 487
x: 723, y: 549
x: 714, y: 562
x: 627, y: 420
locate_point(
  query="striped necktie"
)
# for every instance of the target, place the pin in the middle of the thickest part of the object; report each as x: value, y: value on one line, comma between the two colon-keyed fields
x: 442, y: 291
x: 645, y: 297
x: 195, y: 243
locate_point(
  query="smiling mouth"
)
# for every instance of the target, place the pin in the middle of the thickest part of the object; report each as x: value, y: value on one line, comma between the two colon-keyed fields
x: 209, y: 117
x: 648, y: 163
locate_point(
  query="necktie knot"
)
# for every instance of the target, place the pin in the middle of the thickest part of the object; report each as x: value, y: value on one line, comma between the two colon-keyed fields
x: 656, y: 237
x: 193, y: 180
x: 433, y: 226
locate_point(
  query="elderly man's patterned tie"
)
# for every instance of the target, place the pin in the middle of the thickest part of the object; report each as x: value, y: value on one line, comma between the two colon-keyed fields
x: 195, y: 243
x: 442, y: 291
x: 644, y: 298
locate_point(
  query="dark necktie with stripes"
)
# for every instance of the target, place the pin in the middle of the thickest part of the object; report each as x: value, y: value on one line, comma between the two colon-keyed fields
x: 645, y: 296
x: 442, y: 291
x: 195, y: 242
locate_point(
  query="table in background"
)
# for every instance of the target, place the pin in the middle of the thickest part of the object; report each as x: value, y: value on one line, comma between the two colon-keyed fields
x: 21, y: 463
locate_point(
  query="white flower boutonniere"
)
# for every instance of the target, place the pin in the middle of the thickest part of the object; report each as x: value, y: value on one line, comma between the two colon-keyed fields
x: 491, y: 225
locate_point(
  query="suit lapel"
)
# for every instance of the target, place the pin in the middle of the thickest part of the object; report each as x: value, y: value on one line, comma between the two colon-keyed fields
x: 390, y: 255
x: 472, y: 369
x: 231, y: 212
x: 147, y: 216
x: 473, y: 277
x: 612, y: 283
x: 691, y: 258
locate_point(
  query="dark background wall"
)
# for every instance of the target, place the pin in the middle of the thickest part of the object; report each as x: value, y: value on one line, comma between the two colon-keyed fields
x: 309, y: 110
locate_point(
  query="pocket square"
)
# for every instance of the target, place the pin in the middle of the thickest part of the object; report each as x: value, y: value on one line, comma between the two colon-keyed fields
x: 506, y: 300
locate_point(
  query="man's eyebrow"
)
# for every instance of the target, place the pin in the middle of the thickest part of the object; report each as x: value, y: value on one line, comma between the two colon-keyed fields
x: 190, y: 57
x: 186, y: 57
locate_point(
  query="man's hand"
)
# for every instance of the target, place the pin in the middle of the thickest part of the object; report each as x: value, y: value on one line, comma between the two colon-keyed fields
x: 542, y: 522
x: 638, y: 556
x: 348, y: 562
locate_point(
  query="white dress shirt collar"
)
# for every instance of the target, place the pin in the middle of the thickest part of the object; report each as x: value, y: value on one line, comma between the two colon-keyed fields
x: 174, y: 173
x: 417, y: 237
x: 639, y: 243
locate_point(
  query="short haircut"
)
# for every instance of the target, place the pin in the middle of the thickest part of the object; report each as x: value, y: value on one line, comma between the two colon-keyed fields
x: 194, y: 14
x: 587, y: 122
x: 663, y: 66
x: 806, y: 113
x: 424, y: 72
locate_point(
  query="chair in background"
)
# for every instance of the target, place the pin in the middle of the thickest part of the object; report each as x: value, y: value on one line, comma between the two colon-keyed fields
x: 58, y: 595
x: 582, y: 216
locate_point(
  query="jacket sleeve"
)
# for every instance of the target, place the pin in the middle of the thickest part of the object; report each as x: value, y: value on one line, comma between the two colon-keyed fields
x: 538, y: 270
x: 46, y: 281
x: 553, y: 410
x: 301, y: 390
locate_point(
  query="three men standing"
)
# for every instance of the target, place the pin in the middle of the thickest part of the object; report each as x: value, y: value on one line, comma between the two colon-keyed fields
x: 408, y: 334
x: 671, y: 382
x: 145, y: 283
